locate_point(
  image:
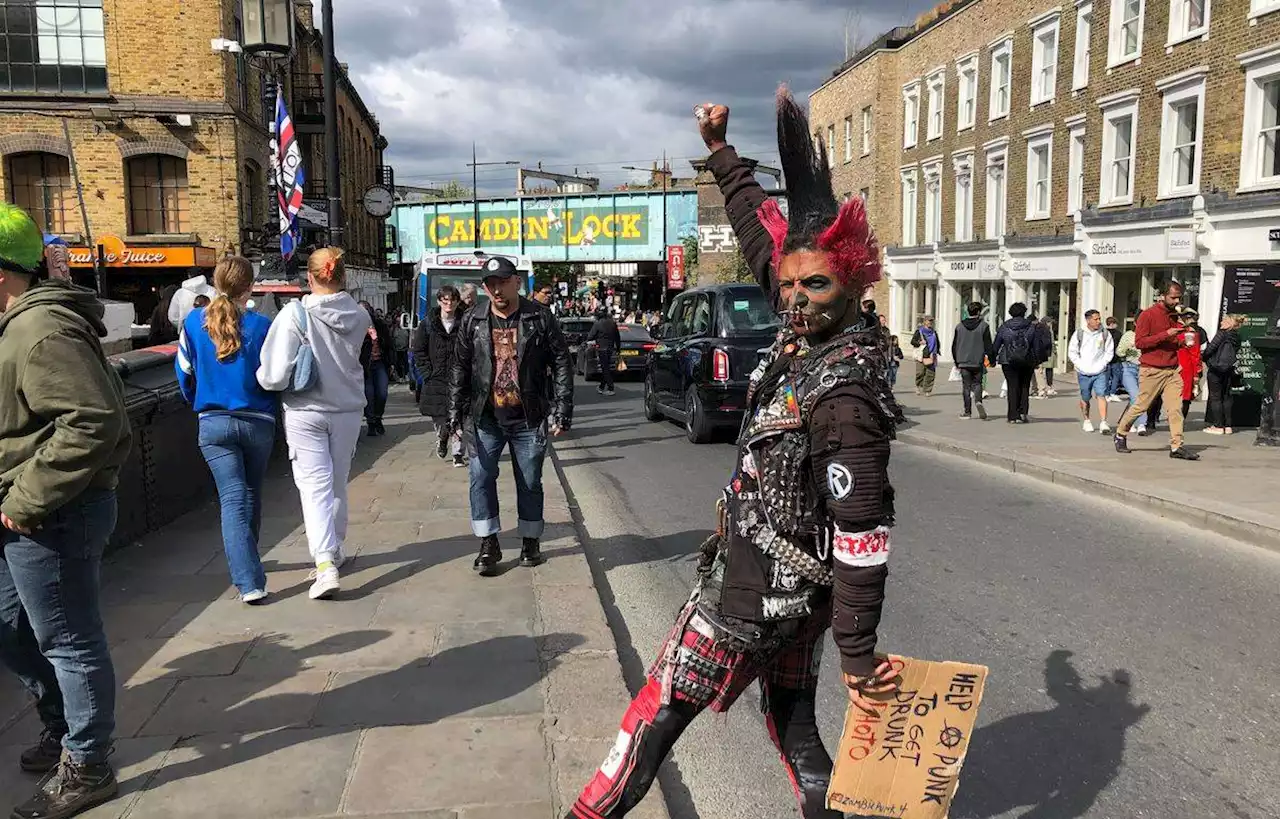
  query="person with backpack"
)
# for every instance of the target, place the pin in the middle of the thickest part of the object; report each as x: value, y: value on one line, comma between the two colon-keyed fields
x: 1046, y: 357
x: 1090, y: 352
x: 1015, y: 351
x: 971, y: 349
x: 219, y: 351
x: 1220, y: 356
x: 927, y: 342
x: 1115, y: 370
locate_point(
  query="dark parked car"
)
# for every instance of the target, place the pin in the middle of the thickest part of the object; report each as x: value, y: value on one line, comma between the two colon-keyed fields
x: 633, y: 357
x: 710, y: 341
x: 575, y: 332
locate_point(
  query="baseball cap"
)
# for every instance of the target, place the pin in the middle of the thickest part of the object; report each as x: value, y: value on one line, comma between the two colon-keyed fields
x: 500, y: 267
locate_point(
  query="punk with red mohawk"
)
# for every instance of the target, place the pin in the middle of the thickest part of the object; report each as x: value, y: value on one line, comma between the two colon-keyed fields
x: 802, y: 538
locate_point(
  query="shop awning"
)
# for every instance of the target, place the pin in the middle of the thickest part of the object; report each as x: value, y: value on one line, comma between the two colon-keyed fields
x: 115, y: 253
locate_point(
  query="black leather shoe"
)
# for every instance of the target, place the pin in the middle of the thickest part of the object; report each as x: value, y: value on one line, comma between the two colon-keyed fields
x: 530, y: 552
x: 1183, y: 454
x: 44, y: 755
x: 69, y: 789
x: 1122, y: 444
x: 489, y: 558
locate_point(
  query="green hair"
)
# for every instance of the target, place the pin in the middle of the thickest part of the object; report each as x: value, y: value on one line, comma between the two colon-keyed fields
x: 21, y: 241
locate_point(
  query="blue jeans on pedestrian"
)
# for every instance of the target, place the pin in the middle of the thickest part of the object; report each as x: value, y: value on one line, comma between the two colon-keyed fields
x: 1115, y: 377
x: 1129, y: 378
x: 377, y: 382
x: 528, y: 450
x: 51, y: 632
x: 237, y: 449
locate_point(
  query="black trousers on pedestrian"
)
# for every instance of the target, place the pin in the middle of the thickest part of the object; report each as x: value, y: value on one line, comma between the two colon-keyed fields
x: 608, y: 366
x: 1019, y: 381
x: 1217, y: 412
x: 971, y: 387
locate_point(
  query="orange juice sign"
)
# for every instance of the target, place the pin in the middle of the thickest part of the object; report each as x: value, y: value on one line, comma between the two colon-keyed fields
x: 116, y: 254
x: 904, y: 760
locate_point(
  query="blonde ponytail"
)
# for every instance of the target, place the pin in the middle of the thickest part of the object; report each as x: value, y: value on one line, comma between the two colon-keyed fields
x: 233, y: 279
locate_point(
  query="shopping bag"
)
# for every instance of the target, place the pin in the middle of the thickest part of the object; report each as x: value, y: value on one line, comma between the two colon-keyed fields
x: 955, y: 374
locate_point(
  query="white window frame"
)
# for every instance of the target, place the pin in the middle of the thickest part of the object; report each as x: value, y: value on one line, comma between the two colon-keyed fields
x: 910, y: 187
x: 932, y: 171
x: 966, y: 92
x: 1084, y: 47
x: 831, y: 146
x: 1075, y: 164
x: 962, y: 165
x: 1044, y: 65
x: 1181, y: 89
x: 911, y: 114
x: 1001, y: 48
x: 997, y: 162
x: 1039, y: 139
x: 1258, y: 8
x: 1114, y: 108
x: 1115, y: 40
x: 1178, y: 30
x: 866, y: 131
x: 936, y: 83
x: 865, y: 195
x: 1261, y: 66
x: 848, y: 138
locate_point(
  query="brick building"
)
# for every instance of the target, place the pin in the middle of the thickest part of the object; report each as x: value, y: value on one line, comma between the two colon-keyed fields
x: 168, y: 138
x: 1065, y: 156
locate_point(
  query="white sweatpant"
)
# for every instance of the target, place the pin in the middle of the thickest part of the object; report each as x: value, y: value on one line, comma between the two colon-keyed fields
x: 321, y: 448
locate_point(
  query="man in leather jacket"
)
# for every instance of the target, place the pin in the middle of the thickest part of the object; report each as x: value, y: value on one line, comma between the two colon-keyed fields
x: 511, y: 382
x: 802, y: 543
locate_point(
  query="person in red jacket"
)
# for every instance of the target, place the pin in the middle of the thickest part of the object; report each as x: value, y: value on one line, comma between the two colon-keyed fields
x: 1159, y: 335
x: 1189, y: 360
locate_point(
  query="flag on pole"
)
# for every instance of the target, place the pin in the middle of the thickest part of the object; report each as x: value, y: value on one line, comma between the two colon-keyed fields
x: 287, y: 175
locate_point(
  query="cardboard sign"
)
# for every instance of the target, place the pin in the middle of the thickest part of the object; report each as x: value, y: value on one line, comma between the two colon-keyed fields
x: 904, y: 761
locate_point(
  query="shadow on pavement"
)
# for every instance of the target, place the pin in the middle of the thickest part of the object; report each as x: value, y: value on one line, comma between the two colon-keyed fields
x: 1064, y: 757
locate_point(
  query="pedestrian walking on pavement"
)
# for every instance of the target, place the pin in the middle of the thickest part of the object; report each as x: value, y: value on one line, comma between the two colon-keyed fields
x: 762, y: 614
x: 400, y: 340
x: 324, y: 333
x: 1017, y: 347
x: 1115, y: 370
x: 1130, y: 357
x: 604, y: 333
x: 433, y: 352
x: 1090, y: 351
x: 1158, y: 335
x: 1190, y: 360
x: 219, y: 352
x: 1220, y: 357
x: 971, y: 349
x: 927, y: 345
x: 511, y: 385
x: 468, y: 293
x: 376, y: 360
x: 64, y: 435
x: 1049, y: 361
x: 896, y: 355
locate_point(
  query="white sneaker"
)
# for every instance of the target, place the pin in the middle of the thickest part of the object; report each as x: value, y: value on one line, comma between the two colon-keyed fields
x: 254, y: 597
x: 1114, y: 399
x: 1088, y: 426
x: 1104, y: 427
x: 1140, y: 428
x: 326, y: 584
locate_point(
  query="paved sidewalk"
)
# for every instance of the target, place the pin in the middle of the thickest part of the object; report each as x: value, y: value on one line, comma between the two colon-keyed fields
x: 1231, y: 490
x: 422, y: 691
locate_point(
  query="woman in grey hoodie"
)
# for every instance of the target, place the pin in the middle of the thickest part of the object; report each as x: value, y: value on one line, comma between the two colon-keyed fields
x: 321, y: 423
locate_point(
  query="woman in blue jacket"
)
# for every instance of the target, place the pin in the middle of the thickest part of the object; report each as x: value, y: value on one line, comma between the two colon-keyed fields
x: 218, y: 356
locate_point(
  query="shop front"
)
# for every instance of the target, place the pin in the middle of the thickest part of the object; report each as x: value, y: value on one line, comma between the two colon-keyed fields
x: 913, y: 290
x: 969, y: 276
x: 139, y: 273
x: 1045, y: 277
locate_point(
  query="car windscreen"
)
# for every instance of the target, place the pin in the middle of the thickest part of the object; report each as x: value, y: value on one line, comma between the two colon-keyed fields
x: 746, y: 310
x: 633, y: 332
x: 576, y: 325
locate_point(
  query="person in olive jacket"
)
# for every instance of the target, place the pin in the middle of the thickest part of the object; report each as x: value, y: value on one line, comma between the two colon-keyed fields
x: 64, y: 435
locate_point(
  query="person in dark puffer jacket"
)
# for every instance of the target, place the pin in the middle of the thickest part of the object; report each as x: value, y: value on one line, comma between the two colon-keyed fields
x: 432, y: 352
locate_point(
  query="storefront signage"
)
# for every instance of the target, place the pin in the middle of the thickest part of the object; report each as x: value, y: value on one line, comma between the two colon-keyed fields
x: 1061, y: 267
x: 971, y: 269
x: 1273, y: 235
x: 577, y: 227
x: 924, y: 270
x: 115, y: 253
x: 675, y: 267
x: 1180, y: 244
x: 1152, y: 247
x: 1253, y: 291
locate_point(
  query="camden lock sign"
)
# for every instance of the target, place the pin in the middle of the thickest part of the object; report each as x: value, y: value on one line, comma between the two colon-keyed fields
x: 577, y: 227
x: 115, y: 253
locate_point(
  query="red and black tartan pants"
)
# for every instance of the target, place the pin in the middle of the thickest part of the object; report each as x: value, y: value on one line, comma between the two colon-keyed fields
x: 703, y: 666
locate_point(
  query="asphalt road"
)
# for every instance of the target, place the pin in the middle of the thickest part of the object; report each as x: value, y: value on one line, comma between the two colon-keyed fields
x: 1134, y: 662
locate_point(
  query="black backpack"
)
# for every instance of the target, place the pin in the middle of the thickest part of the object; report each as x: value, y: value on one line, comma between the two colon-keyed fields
x: 1017, y: 350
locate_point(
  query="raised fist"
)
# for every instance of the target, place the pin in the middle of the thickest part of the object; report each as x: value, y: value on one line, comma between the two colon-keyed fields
x: 713, y: 123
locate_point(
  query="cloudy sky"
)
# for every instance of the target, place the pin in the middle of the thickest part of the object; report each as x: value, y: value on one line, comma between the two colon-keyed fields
x: 586, y: 84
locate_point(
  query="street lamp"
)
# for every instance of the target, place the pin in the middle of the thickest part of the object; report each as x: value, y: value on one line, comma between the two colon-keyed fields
x: 268, y: 27
x: 475, y: 193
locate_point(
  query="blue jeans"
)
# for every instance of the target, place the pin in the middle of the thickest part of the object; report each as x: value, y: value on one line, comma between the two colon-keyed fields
x: 528, y: 449
x: 237, y: 450
x: 377, y: 381
x: 893, y: 373
x: 1115, y: 377
x: 1129, y: 377
x: 51, y: 632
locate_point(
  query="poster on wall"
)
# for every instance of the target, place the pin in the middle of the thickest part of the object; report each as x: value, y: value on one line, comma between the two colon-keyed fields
x: 1253, y: 291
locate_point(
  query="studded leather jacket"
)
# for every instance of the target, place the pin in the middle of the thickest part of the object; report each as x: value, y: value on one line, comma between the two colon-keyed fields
x: 805, y: 520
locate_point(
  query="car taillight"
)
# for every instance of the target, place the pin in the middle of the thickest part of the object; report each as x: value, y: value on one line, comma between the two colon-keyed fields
x: 649, y: 346
x: 720, y: 365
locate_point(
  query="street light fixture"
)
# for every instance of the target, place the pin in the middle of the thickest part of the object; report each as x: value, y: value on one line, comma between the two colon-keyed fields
x: 475, y: 192
x: 268, y: 27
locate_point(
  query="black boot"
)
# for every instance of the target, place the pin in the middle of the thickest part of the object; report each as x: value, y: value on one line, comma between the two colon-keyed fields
x: 69, y: 789
x: 44, y: 755
x: 489, y: 558
x: 530, y: 552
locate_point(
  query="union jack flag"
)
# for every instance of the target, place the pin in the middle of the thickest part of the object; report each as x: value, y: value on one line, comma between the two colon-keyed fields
x: 288, y: 176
